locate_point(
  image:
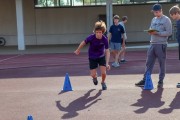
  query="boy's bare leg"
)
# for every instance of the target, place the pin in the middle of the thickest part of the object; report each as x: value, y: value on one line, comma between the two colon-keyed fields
x: 119, y: 55
x: 93, y: 73
x: 122, y: 55
x: 103, y: 75
x: 114, y: 54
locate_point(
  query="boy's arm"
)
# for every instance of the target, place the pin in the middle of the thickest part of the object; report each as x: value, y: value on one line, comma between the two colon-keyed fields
x: 123, y: 43
x: 107, y: 58
x: 109, y: 37
x: 82, y: 44
x: 123, y: 37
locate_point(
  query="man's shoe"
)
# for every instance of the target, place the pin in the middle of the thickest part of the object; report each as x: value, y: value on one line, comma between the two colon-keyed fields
x: 95, y: 81
x: 113, y: 63
x: 104, y: 87
x: 160, y: 85
x: 116, y: 64
x: 123, y: 61
x: 178, y: 85
x: 140, y: 83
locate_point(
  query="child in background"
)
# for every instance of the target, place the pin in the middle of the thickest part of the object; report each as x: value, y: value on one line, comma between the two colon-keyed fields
x: 175, y: 15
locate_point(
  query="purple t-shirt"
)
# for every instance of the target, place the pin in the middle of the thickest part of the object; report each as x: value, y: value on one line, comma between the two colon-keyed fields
x: 97, y: 46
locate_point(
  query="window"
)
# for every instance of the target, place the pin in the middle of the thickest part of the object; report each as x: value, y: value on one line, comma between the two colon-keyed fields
x: 66, y: 3
x: 100, y: 2
x: 89, y: 2
x: 77, y: 2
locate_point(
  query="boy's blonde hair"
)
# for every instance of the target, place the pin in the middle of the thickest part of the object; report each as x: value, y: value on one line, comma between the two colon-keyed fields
x: 100, y: 25
x: 174, y: 10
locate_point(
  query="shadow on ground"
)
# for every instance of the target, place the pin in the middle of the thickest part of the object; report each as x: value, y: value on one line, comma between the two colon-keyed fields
x: 149, y: 100
x: 79, y: 104
x: 174, y: 105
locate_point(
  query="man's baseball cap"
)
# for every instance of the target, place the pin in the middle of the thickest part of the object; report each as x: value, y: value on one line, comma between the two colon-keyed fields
x: 156, y: 7
x: 116, y: 17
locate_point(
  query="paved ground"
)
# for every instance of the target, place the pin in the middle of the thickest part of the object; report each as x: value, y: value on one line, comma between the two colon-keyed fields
x: 32, y: 84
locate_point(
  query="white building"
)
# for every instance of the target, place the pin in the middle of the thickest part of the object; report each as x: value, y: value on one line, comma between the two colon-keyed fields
x: 29, y: 22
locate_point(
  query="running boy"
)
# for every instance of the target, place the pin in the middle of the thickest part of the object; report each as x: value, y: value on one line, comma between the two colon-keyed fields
x: 99, y: 53
x: 175, y: 15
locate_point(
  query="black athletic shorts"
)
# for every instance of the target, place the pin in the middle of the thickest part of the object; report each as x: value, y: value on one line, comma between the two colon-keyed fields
x: 94, y: 63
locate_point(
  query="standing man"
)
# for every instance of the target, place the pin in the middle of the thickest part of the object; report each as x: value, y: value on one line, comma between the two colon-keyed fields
x: 116, y: 36
x: 158, y: 44
x: 123, y: 22
x: 175, y: 15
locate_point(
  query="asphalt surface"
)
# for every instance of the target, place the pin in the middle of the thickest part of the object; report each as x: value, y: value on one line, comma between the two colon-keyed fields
x: 32, y: 85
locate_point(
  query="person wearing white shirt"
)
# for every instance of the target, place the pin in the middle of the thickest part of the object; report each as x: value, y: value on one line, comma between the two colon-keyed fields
x: 124, y: 21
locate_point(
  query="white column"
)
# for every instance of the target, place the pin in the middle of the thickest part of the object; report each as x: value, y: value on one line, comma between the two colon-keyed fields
x: 20, y: 25
x: 109, y: 14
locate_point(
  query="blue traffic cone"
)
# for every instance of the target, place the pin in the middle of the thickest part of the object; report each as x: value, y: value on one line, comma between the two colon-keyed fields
x: 148, y: 82
x: 29, y: 117
x: 67, y: 84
